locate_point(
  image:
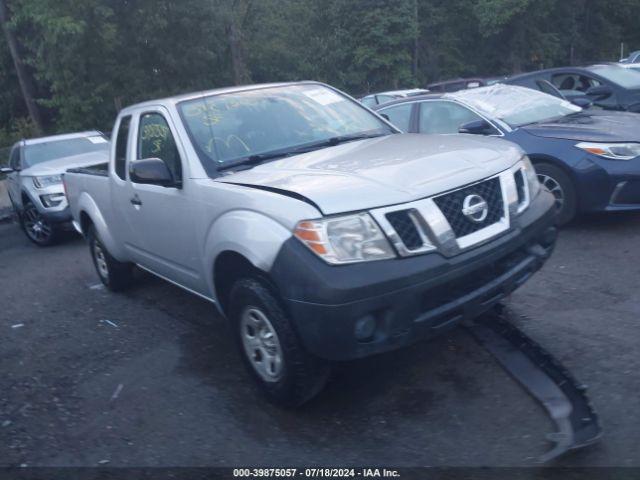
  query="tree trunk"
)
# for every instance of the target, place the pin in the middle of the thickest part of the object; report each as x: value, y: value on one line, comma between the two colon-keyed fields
x: 26, y: 86
x: 414, y: 65
x: 241, y: 74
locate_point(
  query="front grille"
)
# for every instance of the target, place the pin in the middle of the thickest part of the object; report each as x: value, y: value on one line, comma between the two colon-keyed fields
x: 451, y: 205
x: 519, y: 178
x: 405, y: 228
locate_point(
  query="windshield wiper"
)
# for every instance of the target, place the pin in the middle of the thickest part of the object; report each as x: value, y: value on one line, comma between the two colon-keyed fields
x: 255, y: 159
x: 333, y: 141
x: 258, y: 158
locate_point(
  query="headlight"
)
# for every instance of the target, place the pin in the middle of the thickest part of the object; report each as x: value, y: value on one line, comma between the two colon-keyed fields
x: 348, y: 239
x: 48, y: 181
x: 615, y: 151
x: 531, y: 177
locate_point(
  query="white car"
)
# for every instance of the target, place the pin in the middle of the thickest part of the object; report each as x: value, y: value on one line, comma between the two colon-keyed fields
x: 35, y: 184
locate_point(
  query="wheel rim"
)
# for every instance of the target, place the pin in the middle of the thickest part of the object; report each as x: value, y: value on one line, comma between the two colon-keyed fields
x: 261, y: 344
x: 554, y: 187
x: 36, y: 226
x: 101, y: 261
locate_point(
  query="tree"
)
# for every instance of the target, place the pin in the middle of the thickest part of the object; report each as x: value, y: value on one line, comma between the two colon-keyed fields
x: 26, y: 85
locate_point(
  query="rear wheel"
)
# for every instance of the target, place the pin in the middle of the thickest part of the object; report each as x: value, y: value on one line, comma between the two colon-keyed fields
x: 560, y: 185
x: 115, y: 275
x: 37, y: 228
x: 270, y: 348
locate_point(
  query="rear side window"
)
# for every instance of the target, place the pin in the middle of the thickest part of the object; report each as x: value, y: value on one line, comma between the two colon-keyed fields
x: 400, y: 115
x: 122, y: 141
x: 155, y: 140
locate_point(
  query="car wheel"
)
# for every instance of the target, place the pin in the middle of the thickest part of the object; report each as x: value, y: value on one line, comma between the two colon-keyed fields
x: 560, y: 185
x: 37, y: 228
x: 270, y: 347
x: 115, y: 275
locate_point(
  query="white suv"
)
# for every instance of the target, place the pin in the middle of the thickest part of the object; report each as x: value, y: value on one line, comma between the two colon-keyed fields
x: 35, y: 179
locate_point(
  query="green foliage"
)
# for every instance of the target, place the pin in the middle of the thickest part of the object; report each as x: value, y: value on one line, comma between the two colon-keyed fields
x: 89, y: 58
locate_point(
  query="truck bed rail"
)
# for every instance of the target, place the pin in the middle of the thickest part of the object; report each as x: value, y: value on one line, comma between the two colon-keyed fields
x: 101, y: 170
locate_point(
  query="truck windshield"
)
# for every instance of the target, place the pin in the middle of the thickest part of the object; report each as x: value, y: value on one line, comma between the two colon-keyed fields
x: 267, y: 122
x: 51, y: 150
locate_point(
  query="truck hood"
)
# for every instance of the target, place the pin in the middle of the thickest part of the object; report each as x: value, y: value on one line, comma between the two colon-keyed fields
x: 61, y: 165
x: 591, y: 126
x: 382, y: 171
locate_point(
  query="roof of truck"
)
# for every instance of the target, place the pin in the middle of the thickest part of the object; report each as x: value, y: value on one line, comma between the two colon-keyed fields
x: 216, y: 91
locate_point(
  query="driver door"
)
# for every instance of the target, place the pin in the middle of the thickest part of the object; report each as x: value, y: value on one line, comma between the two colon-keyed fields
x: 163, y: 215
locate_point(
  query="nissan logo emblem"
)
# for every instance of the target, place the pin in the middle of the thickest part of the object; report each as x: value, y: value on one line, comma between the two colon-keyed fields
x: 475, y: 208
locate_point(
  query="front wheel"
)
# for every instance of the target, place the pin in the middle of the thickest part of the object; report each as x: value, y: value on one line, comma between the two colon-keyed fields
x: 270, y: 347
x: 37, y: 228
x: 561, y: 186
x: 115, y: 275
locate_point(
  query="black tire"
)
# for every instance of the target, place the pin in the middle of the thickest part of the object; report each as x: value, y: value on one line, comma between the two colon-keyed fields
x: 37, y: 228
x: 302, y: 375
x: 561, y: 186
x: 115, y: 275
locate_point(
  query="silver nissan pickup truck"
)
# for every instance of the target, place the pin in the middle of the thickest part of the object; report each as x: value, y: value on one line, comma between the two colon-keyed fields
x: 316, y: 228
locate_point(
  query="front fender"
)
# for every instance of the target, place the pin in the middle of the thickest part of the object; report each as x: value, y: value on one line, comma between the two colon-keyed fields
x: 87, y: 205
x: 255, y: 236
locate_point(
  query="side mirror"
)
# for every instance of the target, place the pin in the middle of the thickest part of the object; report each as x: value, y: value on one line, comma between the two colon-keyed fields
x: 6, y: 170
x: 599, y: 92
x: 477, y: 127
x: 151, y: 171
x: 385, y: 116
x: 582, y: 102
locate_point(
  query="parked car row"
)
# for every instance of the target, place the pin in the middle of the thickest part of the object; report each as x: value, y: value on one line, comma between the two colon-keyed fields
x: 325, y: 231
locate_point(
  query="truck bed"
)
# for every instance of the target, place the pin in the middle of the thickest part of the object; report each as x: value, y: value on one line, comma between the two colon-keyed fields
x: 91, y: 184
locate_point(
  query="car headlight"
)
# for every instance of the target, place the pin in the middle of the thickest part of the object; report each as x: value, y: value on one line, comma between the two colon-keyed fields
x: 48, y: 181
x: 347, y: 239
x: 615, y: 151
x: 531, y: 176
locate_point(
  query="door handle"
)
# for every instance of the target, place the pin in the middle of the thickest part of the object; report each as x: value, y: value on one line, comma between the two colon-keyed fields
x: 136, y: 201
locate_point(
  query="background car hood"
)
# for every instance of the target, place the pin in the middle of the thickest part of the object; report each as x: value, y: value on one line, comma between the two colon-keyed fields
x: 61, y: 165
x: 592, y: 126
x: 382, y: 171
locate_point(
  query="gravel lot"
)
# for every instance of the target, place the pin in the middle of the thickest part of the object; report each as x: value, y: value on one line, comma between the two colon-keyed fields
x: 151, y: 377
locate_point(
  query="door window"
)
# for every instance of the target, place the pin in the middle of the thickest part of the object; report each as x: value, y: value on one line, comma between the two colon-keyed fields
x: 385, y: 98
x: 400, y: 115
x: 155, y: 140
x: 444, y: 117
x: 369, y: 101
x: 122, y: 142
x: 566, y: 82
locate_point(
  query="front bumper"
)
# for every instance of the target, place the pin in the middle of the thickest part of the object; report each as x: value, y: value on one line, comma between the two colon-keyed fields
x: 408, y: 298
x: 608, y: 185
x: 57, y: 217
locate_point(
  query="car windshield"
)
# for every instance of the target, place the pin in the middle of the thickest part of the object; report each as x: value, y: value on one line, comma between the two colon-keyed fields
x: 227, y: 128
x: 514, y: 105
x: 625, y: 77
x: 51, y: 150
